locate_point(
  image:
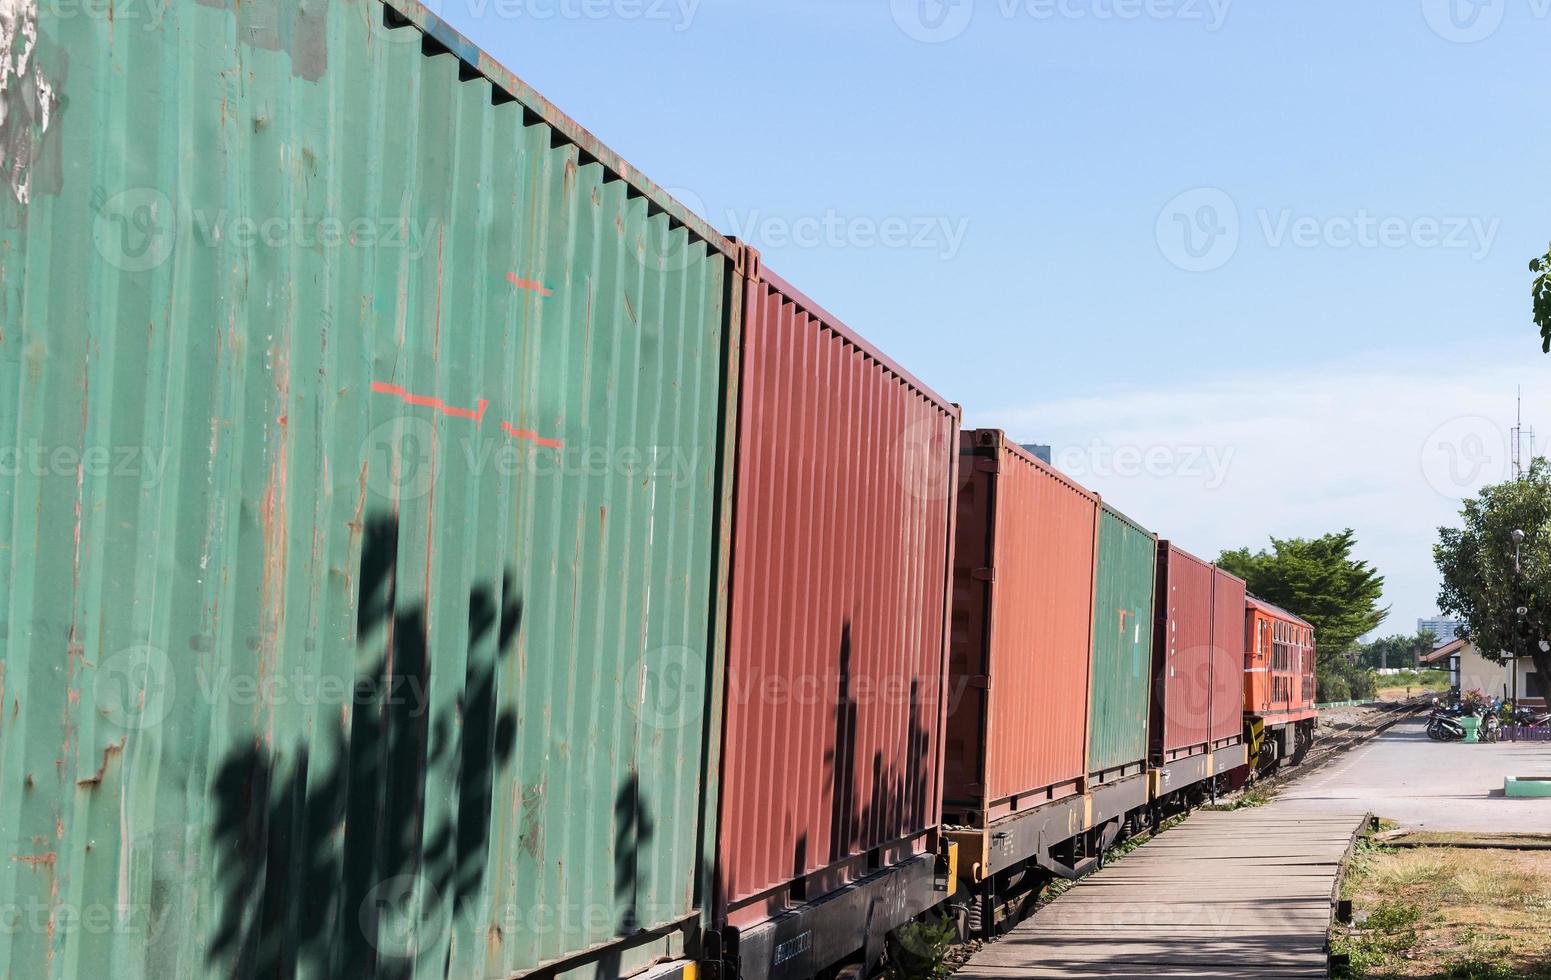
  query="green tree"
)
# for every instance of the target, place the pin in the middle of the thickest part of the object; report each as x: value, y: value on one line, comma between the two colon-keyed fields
x: 1540, y: 291
x: 1503, y: 605
x: 1318, y: 579
x: 1396, y: 651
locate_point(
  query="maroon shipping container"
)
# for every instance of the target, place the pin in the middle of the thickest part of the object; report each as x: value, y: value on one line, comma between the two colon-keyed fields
x: 1229, y: 601
x: 1182, y: 655
x: 836, y: 653
x: 1022, y: 633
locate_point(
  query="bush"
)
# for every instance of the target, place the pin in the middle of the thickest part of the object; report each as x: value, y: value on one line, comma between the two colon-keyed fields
x: 1364, y: 685
x: 1341, y: 681
x: 1333, y: 688
x: 919, y: 951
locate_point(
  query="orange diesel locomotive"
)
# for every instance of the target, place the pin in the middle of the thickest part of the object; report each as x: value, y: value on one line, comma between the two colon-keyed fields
x: 1279, y: 715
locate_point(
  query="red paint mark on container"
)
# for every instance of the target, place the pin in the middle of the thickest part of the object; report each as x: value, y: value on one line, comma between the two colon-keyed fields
x: 477, y: 414
x: 532, y: 437
x: 536, y: 287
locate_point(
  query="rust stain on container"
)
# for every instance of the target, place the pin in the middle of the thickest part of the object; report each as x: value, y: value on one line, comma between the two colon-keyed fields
x: 1022, y: 632
x: 843, y: 512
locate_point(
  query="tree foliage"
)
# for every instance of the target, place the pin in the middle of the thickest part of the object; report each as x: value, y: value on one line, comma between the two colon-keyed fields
x: 1481, y: 586
x: 1396, y: 651
x: 1541, y: 293
x: 1319, y: 580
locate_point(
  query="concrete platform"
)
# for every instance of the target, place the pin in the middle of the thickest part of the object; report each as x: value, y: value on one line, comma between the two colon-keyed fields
x: 1240, y: 894
x: 1425, y: 785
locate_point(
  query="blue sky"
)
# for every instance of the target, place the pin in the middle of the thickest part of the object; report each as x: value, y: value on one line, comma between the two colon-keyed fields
x: 999, y: 192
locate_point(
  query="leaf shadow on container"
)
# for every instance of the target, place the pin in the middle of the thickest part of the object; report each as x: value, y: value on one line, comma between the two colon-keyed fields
x: 634, y: 828
x: 309, y: 860
x: 898, y: 799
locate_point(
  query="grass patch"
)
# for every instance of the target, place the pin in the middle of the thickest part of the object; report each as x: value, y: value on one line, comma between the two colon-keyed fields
x: 1446, y: 912
x: 1249, y: 799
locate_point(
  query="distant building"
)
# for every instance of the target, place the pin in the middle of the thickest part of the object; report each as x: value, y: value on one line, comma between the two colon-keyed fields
x: 1469, y: 671
x: 1039, y: 452
x: 1446, y: 629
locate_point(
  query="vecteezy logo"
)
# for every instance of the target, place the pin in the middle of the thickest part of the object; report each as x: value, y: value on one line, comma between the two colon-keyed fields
x: 1463, y: 455
x: 133, y: 688
x: 672, y: 688
x: 135, y: 230
x: 400, y: 916
x: 400, y: 456
x: 918, y: 455
x: 669, y: 247
x: 1464, y: 21
x: 1198, y: 231
x: 933, y: 21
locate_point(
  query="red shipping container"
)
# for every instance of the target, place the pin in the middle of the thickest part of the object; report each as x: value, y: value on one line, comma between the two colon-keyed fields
x: 843, y: 511
x: 1022, y: 633
x: 1229, y: 601
x: 1182, y: 655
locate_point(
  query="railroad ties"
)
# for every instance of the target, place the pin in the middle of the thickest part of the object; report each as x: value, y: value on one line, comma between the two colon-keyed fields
x: 1247, y: 893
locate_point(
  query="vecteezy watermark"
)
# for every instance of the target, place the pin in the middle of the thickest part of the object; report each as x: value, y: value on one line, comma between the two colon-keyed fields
x: 134, y: 230
x: 149, y: 14
x: 1370, y: 231
x: 1201, y: 230
x: 679, y: 14
x: 406, y: 456
x: 304, y: 687
x: 937, y: 21
x: 672, y: 688
x: 134, y: 688
x: 1208, y: 465
x: 1464, y: 455
x: 920, y: 457
x: 325, y: 231
x: 402, y: 915
x: 39, y: 918
x: 830, y: 229
x: 144, y: 464
x: 1470, y: 21
x: 137, y: 230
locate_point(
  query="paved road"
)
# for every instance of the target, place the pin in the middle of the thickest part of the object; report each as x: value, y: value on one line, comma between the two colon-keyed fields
x: 1429, y: 785
x: 1238, y: 894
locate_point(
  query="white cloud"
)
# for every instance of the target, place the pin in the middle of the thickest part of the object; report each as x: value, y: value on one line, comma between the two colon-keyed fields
x: 1387, y: 448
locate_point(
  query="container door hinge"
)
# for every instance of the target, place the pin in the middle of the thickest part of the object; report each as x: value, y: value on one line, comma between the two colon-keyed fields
x: 983, y: 575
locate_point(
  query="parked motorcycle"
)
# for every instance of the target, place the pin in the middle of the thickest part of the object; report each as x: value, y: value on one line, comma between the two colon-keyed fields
x: 1443, y: 725
x: 1529, y: 717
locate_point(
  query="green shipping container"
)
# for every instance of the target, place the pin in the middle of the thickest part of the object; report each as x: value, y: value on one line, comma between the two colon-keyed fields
x: 1122, y: 647
x: 363, y: 427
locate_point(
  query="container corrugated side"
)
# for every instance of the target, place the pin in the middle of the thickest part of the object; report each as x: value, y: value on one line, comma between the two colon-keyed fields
x: 1182, y: 654
x: 1228, y: 677
x: 1023, y: 629
x: 1122, y: 646
x: 347, y: 637
x: 836, y: 651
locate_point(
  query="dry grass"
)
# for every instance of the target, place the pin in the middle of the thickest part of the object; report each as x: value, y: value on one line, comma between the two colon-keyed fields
x: 1447, y: 912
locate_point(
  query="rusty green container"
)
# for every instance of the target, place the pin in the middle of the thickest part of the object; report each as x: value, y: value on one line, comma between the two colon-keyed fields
x: 364, y: 423
x: 1122, y: 647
